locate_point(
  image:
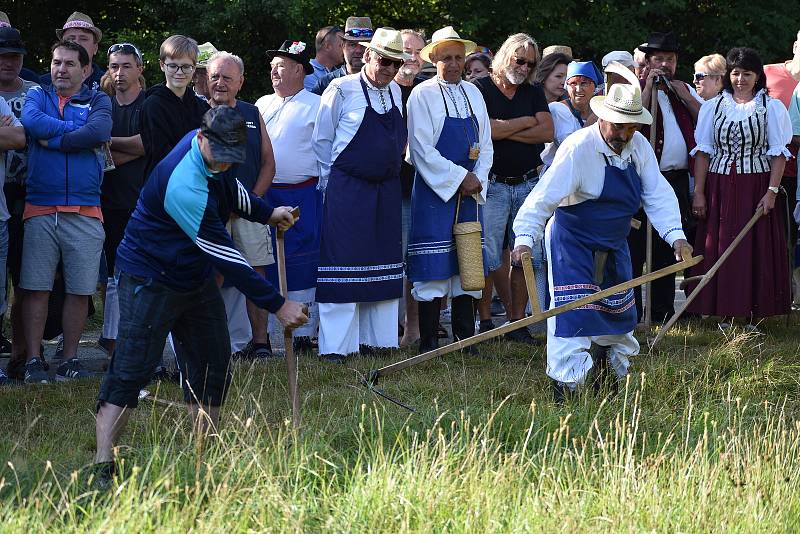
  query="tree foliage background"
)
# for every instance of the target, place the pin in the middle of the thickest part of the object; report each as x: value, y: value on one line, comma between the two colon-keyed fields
x: 249, y: 27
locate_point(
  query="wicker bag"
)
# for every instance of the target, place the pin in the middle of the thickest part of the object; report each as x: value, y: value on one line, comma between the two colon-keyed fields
x: 468, y: 247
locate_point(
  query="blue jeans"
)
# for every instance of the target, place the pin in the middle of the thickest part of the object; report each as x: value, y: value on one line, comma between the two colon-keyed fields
x: 502, y: 204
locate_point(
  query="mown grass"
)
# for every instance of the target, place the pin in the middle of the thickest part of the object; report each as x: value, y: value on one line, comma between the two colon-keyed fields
x: 704, y: 436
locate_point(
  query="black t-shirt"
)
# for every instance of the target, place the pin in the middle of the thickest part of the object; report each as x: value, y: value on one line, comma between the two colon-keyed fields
x: 512, y: 158
x: 120, y: 189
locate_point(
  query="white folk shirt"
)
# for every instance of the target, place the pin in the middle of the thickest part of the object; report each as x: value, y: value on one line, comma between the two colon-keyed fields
x: 341, y: 111
x: 578, y: 174
x: 674, y: 153
x: 426, y: 115
x: 564, y: 123
x: 290, y: 125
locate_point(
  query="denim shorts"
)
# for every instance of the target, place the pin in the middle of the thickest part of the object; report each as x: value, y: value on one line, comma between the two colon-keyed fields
x: 502, y: 204
x: 149, y: 310
x: 76, y: 240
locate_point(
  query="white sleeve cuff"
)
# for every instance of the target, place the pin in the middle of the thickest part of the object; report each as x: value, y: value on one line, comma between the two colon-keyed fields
x: 523, y: 240
x: 672, y: 235
x: 708, y: 149
x: 779, y: 151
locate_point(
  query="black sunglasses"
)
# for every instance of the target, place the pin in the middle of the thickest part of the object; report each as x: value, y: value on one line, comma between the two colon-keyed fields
x: 386, y: 62
x: 334, y: 29
x: 125, y: 48
x: 700, y: 76
x: 523, y: 61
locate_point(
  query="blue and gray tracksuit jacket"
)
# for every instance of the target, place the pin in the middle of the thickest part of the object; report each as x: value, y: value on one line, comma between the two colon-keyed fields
x: 177, y: 231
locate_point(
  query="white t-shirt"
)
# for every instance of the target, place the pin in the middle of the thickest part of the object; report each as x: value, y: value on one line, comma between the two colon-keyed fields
x: 290, y: 125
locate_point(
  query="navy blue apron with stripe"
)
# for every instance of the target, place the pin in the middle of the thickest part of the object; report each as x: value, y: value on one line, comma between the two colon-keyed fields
x: 361, y: 257
x: 577, y: 232
x: 301, y: 242
x: 431, y: 248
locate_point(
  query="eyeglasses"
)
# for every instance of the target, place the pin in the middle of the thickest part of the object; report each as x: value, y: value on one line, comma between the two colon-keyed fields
x: 700, y: 76
x: 386, y: 62
x: 360, y: 32
x: 125, y: 48
x: 335, y: 29
x: 172, y: 68
x: 523, y: 61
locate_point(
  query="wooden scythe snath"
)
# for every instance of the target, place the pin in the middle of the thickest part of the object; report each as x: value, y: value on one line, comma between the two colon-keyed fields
x: 291, y: 359
x: 537, y: 316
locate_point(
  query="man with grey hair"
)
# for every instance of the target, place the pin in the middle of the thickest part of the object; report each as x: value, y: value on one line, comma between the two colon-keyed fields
x: 329, y: 55
x: 521, y: 124
x: 225, y: 80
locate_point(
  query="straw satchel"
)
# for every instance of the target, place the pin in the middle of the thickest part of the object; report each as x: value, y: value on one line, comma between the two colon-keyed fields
x: 468, y: 247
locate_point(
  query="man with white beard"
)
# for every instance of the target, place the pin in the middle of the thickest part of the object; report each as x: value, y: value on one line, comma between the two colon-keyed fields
x: 521, y: 124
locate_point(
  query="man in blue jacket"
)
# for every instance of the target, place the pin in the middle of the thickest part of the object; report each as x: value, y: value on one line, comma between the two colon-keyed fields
x: 68, y: 124
x: 175, y: 237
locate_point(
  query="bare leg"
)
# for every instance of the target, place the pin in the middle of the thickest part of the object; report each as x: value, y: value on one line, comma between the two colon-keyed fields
x: 34, y: 313
x: 411, y: 331
x: 74, y: 319
x: 258, y: 317
x: 519, y: 294
x: 485, y: 303
x: 501, y: 281
x: 205, y: 420
x: 17, y: 325
x: 109, y: 424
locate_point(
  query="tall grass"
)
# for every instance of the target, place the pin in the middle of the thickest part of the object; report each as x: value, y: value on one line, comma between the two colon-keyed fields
x: 692, y: 443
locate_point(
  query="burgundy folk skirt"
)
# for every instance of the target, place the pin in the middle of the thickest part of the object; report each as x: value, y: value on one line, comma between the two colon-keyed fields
x: 754, y: 280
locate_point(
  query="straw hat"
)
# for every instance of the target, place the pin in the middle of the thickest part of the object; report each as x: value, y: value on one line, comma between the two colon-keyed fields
x: 358, y: 29
x: 82, y: 22
x: 446, y: 35
x: 206, y: 50
x: 557, y: 49
x: 388, y: 43
x: 615, y: 67
x: 622, y: 105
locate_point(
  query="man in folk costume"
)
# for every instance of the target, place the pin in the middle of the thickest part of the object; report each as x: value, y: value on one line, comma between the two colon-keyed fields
x: 359, y: 137
x: 600, y: 177
x: 450, y: 146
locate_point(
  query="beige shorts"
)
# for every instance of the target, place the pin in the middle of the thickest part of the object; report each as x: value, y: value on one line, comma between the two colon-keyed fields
x: 253, y: 241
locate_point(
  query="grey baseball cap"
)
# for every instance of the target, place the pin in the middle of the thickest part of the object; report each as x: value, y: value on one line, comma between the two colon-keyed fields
x: 226, y: 131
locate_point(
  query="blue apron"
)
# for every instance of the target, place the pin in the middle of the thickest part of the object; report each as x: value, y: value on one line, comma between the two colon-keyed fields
x: 361, y: 257
x: 302, y: 240
x: 431, y: 248
x: 576, y: 233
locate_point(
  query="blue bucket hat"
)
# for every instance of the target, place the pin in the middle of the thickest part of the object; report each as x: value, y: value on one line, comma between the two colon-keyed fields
x: 585, y: 68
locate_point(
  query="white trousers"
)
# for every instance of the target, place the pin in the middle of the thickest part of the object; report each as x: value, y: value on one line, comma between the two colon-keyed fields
x: 568, y: 359
x: 239, y: 329
x: 427, y: 291
x: 343, y: 326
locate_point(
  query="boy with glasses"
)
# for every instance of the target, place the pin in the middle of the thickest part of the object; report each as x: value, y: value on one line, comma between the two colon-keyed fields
x: 171, y: 109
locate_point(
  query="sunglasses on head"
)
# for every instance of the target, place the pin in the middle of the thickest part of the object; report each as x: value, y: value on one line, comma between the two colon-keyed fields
x: 387, y: 62
x: 334, y: 29
x: 523, y: 61
x: 359, y: 32
x: 125, y: 48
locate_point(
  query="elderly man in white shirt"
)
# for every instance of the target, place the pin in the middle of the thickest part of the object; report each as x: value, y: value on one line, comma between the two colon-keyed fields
x: 359, y: 138
x: 600, y: 177
x: 450, y: 146
x: 290, y: 114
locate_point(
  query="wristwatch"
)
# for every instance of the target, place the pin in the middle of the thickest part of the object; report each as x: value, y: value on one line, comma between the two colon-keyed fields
x: 774, y: 189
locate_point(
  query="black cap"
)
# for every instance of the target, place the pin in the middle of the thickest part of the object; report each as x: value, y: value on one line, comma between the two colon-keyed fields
x: 226, y: 131
x: 664, y: 42
x: 296, y: 50
x: 11, y: 41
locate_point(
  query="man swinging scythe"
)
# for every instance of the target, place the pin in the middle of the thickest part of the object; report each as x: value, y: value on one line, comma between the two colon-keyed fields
x: 600, y: 177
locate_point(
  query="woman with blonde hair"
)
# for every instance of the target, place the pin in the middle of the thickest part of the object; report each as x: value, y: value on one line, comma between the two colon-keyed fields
x: 708, y: 73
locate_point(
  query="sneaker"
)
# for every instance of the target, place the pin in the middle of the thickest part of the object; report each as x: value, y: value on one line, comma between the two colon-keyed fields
x: 261, y: 351
x: 485, y: 325
x: 106, y: 345
x: 4, y: 380
x: 522, y: 336
x: 497, y: 308
x: 35, y: 372
x: 244, y: 353
x: 59, y: 354
x: 5, y: 346
x: 71, y: 370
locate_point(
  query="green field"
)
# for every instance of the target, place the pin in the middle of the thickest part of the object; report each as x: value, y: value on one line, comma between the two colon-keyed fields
x: 704, y: 437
